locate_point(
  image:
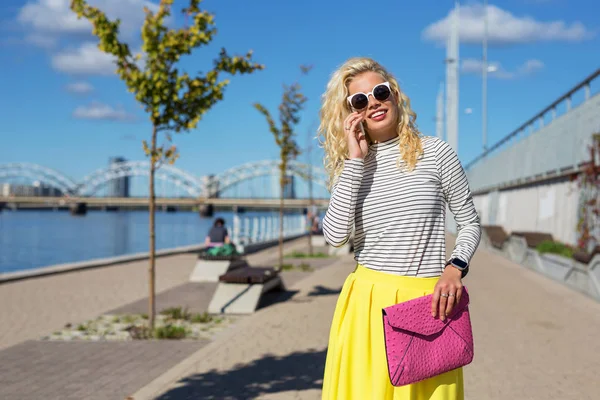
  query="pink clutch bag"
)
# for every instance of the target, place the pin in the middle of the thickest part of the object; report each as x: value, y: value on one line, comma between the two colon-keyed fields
x: 419, y: 346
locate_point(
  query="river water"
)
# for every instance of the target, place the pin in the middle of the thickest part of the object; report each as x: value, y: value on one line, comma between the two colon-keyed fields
x: 32, y: 239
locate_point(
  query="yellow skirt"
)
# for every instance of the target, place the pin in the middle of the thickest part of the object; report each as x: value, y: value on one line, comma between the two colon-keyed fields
x: 356, y: 366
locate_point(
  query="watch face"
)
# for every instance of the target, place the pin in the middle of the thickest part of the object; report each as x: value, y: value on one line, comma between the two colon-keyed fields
x: 459, y: 263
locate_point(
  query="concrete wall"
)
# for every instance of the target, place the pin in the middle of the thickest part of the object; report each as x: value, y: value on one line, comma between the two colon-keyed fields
x: 548, y: 207
x: 523, y: 185
x: 560, y: 144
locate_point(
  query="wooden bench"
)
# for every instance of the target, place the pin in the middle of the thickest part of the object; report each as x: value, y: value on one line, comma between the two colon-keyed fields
x: 496, y: 235
x: 209, y: 268
x: 534, y: 238
x: 585, y: 257
x: 521, y: 247
x: 239, y: 291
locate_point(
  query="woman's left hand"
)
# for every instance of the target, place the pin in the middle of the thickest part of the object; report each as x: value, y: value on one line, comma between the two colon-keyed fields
x: 447, y: 292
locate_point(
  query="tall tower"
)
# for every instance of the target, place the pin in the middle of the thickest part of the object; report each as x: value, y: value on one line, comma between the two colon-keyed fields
x: 119, y: 187
x: 452, y: 63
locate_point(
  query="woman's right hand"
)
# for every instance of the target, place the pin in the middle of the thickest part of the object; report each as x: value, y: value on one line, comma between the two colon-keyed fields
x: 357, y: 142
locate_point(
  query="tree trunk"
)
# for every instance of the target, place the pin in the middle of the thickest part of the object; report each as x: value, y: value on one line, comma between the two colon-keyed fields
x: 282, y: 186
x: 151, y: 206
x: 310, y: 210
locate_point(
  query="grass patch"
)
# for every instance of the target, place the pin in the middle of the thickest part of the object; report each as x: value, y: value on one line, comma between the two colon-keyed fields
x: 300, y: 254
x: 177, y: 313
x: 170, y: 332
x: 305, y: 267
x: 128, y: 319
x: 171, y: 323
x: 201, y: 318
x: 555, y: 248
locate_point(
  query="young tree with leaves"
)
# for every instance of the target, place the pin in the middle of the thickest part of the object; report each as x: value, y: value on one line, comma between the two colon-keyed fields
x: 174, y: 100
x: 292, y: 103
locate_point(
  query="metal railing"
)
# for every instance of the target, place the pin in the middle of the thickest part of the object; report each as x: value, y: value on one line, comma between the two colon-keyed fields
x: 251, y: 230
x: 584, y: 84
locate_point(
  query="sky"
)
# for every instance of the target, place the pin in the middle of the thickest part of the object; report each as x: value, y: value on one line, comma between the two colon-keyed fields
x: 63, y: 107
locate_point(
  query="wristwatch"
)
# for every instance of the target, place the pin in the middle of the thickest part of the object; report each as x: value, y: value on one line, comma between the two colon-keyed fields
x: 460, y: 265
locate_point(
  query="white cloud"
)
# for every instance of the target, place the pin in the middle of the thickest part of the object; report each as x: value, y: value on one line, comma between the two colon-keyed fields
x: 79, y: 87
x: 44, y: 41
x: 496, y: 70
x: 55, y: 16
x: 468, y: 111
x: 531, y: 66
x: 99, y: 111
x: 87, y: 59
x: 504, y: 28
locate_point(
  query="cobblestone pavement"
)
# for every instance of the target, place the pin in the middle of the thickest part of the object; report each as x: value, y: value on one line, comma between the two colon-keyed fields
x: 534, y: 339
x: 80, y: 371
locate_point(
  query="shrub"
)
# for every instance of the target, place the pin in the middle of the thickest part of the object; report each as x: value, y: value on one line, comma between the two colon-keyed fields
x: 170, y: 332
x: 176, y: 313
x: 551, y: 247
x: 201, y: 318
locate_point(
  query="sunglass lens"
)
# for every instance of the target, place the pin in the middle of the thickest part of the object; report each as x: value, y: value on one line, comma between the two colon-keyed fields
x: 359, y: 101
x: 381, y: 92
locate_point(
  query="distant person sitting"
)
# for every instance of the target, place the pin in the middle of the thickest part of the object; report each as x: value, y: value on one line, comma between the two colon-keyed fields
x: 217, y: 236
x: 316, y: 228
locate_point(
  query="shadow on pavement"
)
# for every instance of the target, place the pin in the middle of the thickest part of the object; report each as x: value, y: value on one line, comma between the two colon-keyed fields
x: 274, y: 297
x: 270, y: 374
x: 320, y: 290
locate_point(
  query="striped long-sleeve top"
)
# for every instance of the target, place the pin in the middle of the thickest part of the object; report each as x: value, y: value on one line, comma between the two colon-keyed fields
x: 399, y: 217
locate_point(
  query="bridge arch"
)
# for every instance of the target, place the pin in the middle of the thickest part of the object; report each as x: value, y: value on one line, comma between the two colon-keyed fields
x: 99, y: 178
x: 194, y: 186
x: 257, y: 169
x: 35, y: 172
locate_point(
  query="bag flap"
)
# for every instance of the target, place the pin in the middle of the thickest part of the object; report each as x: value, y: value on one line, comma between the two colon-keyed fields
x: 415, y: 315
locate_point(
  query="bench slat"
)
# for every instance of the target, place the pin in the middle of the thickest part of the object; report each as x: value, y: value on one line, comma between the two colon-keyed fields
x: 249, y: 275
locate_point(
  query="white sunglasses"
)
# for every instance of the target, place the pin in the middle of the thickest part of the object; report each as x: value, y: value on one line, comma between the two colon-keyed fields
x: 380, y: 92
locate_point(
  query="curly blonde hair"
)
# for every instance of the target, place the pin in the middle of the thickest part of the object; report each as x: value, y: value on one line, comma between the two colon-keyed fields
x: 335, y: 109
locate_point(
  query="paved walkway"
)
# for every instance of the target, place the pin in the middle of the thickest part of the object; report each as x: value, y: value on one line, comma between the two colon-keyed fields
x: 535, y: 339
x: 103, y: 370
x: 42, y: 305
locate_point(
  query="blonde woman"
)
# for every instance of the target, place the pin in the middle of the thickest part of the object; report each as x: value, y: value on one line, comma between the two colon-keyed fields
x: 391, y: 186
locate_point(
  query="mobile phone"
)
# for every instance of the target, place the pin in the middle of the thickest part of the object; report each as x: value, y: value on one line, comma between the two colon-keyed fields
x: 362, y: 128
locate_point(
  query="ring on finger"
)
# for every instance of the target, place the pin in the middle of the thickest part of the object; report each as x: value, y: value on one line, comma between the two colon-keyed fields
x: 444, y: 295
x: 451, y: 295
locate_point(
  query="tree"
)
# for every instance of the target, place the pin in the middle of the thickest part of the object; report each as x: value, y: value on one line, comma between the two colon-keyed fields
x: 174, y: 100
x: 311, y: 202
x: 292, y: 103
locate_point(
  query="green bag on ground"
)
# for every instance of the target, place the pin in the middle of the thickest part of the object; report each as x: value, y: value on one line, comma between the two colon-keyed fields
x: 225, y: 250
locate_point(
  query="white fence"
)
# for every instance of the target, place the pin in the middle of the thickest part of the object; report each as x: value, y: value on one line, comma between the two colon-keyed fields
x: 249, y: 230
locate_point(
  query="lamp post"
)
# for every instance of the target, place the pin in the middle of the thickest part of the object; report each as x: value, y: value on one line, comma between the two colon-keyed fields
x: 484, y: 71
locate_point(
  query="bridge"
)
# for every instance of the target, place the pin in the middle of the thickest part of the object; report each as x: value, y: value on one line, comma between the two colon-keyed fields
x: 38, y: 202
x: 193, y: 191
